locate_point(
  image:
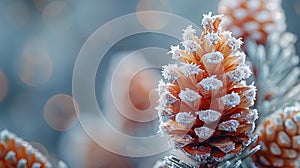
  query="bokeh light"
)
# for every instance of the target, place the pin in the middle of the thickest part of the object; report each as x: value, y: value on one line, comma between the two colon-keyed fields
x: 153, y: 21
x: 35, y: 66
x: 3, y: 86
x: 297, y: 7
x: 60, y: 112
x: 40, y: 4
x: 57, y: 17
x: 133, y: 80
x: 14, y: 10
x: 140, y: 88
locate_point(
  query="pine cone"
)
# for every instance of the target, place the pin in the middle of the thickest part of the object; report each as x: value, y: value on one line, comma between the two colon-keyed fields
x: 253, y: 19
x: 205, y: 105
x: 279, y: 137
x: 14, y: 152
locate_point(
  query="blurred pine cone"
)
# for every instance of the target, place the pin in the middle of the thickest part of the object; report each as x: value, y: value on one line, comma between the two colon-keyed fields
x: 279, y: 137
x: 205, y: 105
x: 253, y: 19
x: 14, y: 152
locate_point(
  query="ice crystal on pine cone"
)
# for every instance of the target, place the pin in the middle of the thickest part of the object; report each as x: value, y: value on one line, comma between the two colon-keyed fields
x: 204, y: 102
x: 279, y: 138
x: 253, y: 19
x: 14, y: 152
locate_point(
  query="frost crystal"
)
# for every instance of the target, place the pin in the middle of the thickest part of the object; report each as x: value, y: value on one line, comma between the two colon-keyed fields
x: 188, y: 33
x: 240, y: 13
x: 284, y: 138
x: 236, y: 115
x: 296, y: 140
x: 234, y: 43
x: 230, y: 125
x: 227, y: 35
x: 297, y: 117
x: 252, y: 116
x: 275, y: 149
x: 11, y: 155
x: 289, y: 124
x: 175, y: 51
x: 251, y: 93
x: 36, y: 165
x: 160, y: 164
x: 211, y: 83
x: 242, y: 72
x: 291, y: 153
x: 212, y: 38
x: 213, y: 57
x: 232, y: 99
x: 5, y: 135
x: 204, y: 132
x: 227, y: 146
x: 241, y: 55
x: 251, y: 26
x: 167, y: 98
x: 253, y: 5
x: 22, y: 163
x: 235, y: 75
x: 185, y: 119
x: 190, y: 45
x: 162, y: 129
x: 181, y: 141
x: 278, y: 162
x: 162, y: 86
x: 269, y: 129
x: 208, y: 116
x: 190, y: 69
x: 278, y: 121
x: 188, y: 95
x: 164, y: 113
x: 207, y: 20
x: 170, y: 72
x: 246, y: 71
x: 264, y: 161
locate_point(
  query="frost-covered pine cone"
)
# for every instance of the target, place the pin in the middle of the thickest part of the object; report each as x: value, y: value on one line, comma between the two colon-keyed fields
x: 204, y: 106
x: 253, y: 19
x: 16, y: 153
x: 279, y: 137
x: 276, y: 72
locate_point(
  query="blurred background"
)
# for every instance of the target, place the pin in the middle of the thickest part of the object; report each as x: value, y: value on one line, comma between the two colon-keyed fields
x: 39, y: 43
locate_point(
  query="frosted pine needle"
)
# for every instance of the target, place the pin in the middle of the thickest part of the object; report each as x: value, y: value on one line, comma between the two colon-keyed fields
x: 175, y: 51
x: 204, y: 93
x: 276, y: 72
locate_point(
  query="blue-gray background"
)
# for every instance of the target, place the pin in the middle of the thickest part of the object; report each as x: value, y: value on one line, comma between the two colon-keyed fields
x: 39, y: 43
